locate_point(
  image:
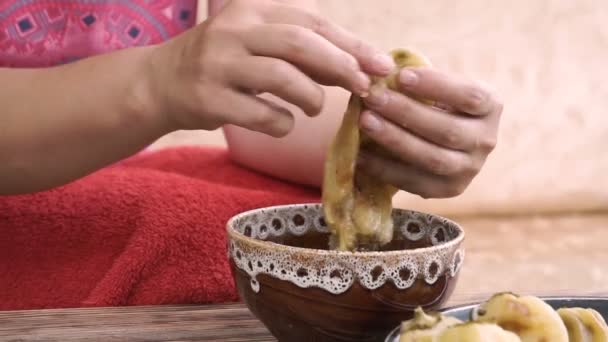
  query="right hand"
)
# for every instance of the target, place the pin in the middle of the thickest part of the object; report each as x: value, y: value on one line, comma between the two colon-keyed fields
x: 211, y: 75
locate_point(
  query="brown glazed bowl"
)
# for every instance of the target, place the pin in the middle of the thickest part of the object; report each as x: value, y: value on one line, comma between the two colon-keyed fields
x: 301, y: 291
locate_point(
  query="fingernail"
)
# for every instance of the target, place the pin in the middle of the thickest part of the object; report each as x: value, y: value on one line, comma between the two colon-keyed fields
x: 371, y: 122
x: 408, y: 77
x: 377, y: 97
x: 383, y: 63
x: 363, y: 83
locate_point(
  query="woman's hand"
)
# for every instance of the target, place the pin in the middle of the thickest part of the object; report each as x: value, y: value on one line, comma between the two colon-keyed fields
x: 211, y: 75
x: 441, y: 148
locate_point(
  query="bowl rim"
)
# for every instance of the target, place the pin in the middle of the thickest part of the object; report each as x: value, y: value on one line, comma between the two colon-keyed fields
x: 235, y: 234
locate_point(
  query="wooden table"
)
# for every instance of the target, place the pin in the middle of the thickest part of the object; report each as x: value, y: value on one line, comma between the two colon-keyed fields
x: 231, y: 322
x: 227, y: 323
x: 541, y: 256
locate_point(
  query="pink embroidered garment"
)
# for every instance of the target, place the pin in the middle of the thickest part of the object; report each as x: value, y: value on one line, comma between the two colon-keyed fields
x: 38, y: 33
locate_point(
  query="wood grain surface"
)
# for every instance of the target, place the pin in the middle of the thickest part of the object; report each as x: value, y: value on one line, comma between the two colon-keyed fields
x: 231, y: 322
x: 183, y: 323
x: 552, y: 256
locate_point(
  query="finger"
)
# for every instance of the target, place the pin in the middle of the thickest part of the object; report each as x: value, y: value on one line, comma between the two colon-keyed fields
x: 466, y: 96
x: 414, y: 150
x: 443, y: 128
x: 409, y: 178
x: 311, y: 53
x: 257, y: 114
x: 371, y: 60
x: 444, y: 107
x: 275, y: 76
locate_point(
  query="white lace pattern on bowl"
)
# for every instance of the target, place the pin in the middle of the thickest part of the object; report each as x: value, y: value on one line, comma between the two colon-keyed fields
x: 336, y: 272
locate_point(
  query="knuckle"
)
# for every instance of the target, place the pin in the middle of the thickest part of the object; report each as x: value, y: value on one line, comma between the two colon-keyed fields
x: 388, y: 137
x: 274, y: 121
x: 405, y: 103
x: 318, y: 24
x: 349, y: 63
x: 278, y: 74
x: 475, y: 100
x: 453, y: 136
x: 346, y: 68
x: 280, y: 132
x: 363, y: 51
x: 440, y: 164
x: 400, y: 108
x: 451, y: 164
x: 283, y: 126
x: 470, y: 169
x: 359, y: 47
x: 494, y: 103
x: 264, y: 119
x: 212, y: 67
x: 296, y: 40
x: 487, y: 144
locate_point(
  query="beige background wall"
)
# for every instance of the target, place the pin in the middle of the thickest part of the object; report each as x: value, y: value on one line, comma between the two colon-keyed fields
x: 549, y: 60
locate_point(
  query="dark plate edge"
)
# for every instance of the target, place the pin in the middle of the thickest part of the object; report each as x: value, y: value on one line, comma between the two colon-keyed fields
x: 395, y: 332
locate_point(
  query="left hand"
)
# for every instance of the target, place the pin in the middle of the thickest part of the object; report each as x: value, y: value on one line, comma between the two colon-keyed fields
x: 440, y: 148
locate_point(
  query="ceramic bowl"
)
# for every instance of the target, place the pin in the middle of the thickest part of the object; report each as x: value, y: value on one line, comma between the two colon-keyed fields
x: 301, y: 291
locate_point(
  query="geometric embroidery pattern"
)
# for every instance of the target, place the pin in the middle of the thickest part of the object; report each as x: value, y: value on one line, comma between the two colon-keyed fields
x: 40, y: 33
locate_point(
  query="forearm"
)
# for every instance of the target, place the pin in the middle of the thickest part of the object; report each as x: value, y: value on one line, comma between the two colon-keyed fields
x: 62, y: 123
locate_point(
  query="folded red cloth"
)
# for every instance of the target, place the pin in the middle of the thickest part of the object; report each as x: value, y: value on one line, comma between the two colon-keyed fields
x: 149, y: 230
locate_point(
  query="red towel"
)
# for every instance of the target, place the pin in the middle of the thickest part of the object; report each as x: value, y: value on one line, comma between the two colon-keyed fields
x: 149, y: 230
